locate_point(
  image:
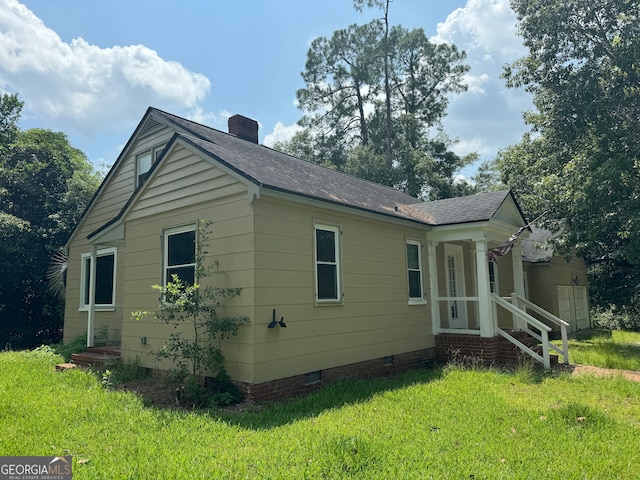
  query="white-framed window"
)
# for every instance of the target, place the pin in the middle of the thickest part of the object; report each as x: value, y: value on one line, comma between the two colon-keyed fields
x: 145, y: 161
x: 105, y: 294
x: 143, y: 165
x: 179, y: 256
x: 327, y: 263
x: 414, y: 271
x: 493, y: 277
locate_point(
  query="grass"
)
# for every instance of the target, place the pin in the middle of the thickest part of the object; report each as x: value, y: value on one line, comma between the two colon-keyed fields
x: 450, y: 423
x: 608, y: 349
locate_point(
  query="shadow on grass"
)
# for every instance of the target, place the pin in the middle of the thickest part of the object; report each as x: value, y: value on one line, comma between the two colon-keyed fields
x: 591, y: 335
x: 334, y: 395
x: 612, y: 353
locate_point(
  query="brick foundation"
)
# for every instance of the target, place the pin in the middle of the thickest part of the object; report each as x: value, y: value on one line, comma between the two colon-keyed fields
x: 488, y: 351
x: 463, y: 347
x: 297, y: 385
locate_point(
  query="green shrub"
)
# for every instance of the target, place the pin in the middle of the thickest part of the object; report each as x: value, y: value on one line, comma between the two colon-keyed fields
x: 614, y: 318
x: 128, y: 372
x: 76, y: 345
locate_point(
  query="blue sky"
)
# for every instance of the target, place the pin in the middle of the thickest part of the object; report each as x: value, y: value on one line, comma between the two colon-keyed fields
x: 91, y: 69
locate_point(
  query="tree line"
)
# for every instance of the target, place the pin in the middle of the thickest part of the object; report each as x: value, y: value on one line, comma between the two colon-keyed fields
x: 45, y: 185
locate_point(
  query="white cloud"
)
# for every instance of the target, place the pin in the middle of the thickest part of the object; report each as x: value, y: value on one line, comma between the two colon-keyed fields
x: 475, y: 83
x: 483, y: 25
x: 471, y: 145
x: 216, y: 120
x: 86, y: 85
x: 281, y: 133
x: 488, y: 116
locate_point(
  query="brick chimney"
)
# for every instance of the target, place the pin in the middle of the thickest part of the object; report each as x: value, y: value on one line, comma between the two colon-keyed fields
x: 244, y: 128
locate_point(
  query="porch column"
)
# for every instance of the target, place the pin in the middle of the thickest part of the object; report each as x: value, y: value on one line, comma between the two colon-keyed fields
x: 518, y: 273
x: 433, y: 287
x: 91, y: 315
x: 485, y: 311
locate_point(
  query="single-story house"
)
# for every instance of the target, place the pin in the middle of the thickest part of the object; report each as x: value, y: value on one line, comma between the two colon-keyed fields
x: 368, y: 279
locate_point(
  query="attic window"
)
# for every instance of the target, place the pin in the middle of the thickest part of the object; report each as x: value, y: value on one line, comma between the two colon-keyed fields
x: 143, y: 165
x: 145, y: 161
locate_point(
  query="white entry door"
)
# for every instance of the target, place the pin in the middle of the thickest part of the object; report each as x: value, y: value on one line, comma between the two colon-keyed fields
x: 454, y: 268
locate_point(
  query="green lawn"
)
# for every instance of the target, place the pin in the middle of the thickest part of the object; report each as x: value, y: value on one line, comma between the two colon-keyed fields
x: 447, y: 423
x: 607, y: 349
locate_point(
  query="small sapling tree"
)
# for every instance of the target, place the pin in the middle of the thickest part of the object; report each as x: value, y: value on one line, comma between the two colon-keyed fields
x: 194, y: 310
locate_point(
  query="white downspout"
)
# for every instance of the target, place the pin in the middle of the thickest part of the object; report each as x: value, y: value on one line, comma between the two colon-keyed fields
x: 91, y: 315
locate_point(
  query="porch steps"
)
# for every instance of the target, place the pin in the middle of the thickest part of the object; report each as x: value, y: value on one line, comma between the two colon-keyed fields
x: 509, y: 353
x: 97, y: 356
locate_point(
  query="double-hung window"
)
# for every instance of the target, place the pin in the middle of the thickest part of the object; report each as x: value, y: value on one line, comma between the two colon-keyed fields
x: 180, y: 254
x: 414, y: 271
x: 144, y: 162
x: 327, y: 261
x: 105, y: 288
x: 143, y: 165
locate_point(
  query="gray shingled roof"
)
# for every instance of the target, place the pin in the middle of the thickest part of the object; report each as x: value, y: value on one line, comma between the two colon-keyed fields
x: 533, y: 247
x: 473, y: 208
x: 277, y: 171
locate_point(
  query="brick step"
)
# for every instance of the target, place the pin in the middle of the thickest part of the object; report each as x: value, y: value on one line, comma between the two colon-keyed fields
x: 510, y: 352
x: 97, y: 356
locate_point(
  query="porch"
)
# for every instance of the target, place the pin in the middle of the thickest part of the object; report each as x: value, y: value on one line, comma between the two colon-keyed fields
x: 479, y: 306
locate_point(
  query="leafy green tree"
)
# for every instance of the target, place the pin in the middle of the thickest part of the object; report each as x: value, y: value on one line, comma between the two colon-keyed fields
x: 583, y: 69
x: 581, y: 163
x: 374, y: 94
x: 45, y: 185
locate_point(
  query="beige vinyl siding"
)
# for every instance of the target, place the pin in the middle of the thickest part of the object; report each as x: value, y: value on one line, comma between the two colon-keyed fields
x: 107, y: 205
x: 221, y: 199
x: 544, y: 278
x: 374, y: 320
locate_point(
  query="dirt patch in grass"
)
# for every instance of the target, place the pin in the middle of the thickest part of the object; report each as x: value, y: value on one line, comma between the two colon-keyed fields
x: 153, y: 391
x: 576, y: 370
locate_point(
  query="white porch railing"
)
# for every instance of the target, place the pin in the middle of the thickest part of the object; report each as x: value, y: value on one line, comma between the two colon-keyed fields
x: 465, y: 304
x: 525, y: 304
x: 518, y: 305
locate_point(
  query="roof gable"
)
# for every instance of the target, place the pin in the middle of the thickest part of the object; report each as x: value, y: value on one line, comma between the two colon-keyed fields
x: 500, y: 205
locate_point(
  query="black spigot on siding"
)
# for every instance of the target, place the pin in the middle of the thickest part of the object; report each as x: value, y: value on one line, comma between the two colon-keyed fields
x: 273, y: 322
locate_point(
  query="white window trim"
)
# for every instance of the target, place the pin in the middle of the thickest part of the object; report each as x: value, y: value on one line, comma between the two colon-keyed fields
x: 165, y: 248
x: 415, y: 300
x: 138, y: 157
x: 155, y: 153
x: 101, y: 253
x: 338, y: 263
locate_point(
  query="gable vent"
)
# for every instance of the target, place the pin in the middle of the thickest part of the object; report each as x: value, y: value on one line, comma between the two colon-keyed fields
x: 149, y: 127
